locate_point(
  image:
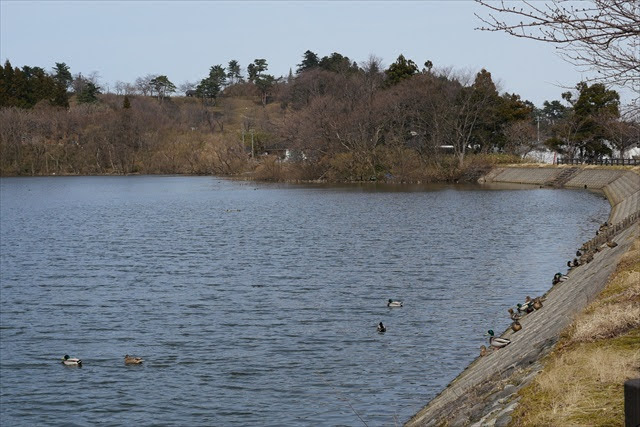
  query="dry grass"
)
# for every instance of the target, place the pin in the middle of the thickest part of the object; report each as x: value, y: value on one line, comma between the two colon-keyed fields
x: 609, y: 321
x: 582, y: 381
x: 582, y: 386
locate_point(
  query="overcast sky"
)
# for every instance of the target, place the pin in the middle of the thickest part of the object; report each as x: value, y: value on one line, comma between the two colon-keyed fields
x: 122, y: 40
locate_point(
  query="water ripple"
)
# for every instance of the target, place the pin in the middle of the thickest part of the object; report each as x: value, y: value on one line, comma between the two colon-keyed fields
x: 259, y: 307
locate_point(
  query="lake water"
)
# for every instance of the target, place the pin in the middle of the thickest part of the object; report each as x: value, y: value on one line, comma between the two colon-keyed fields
x: 257, y: 304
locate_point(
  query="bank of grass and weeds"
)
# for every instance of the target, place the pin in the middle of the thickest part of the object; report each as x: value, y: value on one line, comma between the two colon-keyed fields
x: 582, y: 381
x: 387, y: 165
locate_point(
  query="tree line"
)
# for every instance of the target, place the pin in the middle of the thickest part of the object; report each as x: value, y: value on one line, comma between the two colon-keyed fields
x: 332, y: 119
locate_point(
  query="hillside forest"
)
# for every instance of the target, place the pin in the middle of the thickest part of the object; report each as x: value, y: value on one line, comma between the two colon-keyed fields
x: 331, y: 119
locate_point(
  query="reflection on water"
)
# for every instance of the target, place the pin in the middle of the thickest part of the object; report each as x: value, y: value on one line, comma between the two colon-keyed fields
x: 257, y: 304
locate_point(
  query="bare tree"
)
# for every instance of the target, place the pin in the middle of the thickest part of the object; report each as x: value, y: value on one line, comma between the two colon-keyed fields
x: 623, y: 135
x: 598, y: 35
x: 143, y: 84
x: 521, y: 138
x: 186, y: 87
x: 120, y: 87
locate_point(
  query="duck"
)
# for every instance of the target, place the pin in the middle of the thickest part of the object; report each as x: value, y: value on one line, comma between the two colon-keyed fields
x: 537, y: 304
x: 381, y: 328
x: 483, y: 351
x: 516, y: 326
x: 586, y: 259
x: 497, y: 342
x: 612, y: 244
x: 132, y: 360
x: 514, y: 315
x: 71, y: 361
x: 559, y: 277
x: 527, y: 307
x: 393, y: 303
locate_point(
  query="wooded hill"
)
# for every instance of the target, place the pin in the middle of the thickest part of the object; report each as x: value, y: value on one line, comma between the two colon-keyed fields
x: 332, y: 120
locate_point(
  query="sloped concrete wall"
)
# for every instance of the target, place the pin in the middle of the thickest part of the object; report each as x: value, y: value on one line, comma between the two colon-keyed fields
x: 483, y: 389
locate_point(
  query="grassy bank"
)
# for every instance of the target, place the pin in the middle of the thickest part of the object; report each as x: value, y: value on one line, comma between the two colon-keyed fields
x: 582, y: 381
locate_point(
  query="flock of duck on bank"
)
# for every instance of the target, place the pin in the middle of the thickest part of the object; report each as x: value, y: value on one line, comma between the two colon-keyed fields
x: 584, y: 255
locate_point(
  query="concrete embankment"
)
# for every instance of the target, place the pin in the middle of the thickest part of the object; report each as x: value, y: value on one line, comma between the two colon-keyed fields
x: 485, y: 392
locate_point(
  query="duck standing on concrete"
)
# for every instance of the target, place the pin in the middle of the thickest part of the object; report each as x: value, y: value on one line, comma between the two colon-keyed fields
x: 497, y: 342
x: 612, y: 244
x: 516, y: 326
x: 381, y: 328
x: 483, y: 351
x: 537, y: 304
x: 513, y: 315
x: 559, y: 277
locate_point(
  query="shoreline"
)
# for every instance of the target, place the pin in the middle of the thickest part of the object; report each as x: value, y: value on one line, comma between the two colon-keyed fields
x: 485, y: 391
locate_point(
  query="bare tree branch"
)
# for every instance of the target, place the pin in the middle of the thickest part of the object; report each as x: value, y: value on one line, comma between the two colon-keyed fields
x: 602, y: 36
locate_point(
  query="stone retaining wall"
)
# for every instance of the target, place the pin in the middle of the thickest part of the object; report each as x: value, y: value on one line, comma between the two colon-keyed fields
x: 484, y: 393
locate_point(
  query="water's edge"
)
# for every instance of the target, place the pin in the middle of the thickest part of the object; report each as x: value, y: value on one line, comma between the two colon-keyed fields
x: 485, y: 390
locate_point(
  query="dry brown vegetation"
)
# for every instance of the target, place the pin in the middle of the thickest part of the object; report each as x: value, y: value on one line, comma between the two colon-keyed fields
x: 237, y: 136
x: 582, y: 381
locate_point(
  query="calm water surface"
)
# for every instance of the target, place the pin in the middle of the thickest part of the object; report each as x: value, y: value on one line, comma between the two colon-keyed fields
x: 257, y: 304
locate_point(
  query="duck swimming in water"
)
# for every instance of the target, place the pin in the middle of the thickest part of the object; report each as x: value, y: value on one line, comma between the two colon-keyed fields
x: 381, y: 328
x: 497, y: 342
x: 131, y: 360
x: 393, y: 303
x: 69, y: 361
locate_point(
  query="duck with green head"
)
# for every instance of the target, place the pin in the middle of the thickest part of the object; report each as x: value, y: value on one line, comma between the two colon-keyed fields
x: 497, y: 342
x: 71, y: 361
x: 393, y: 303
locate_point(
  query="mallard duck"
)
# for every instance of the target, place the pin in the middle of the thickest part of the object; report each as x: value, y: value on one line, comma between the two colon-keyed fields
x: 612, y: 244
x: 526, y: 308
x: 537, y: 304
x: 514, y: 315
x: 516, y: 326
x: 483, y: 351
x: 393, y: 303
x: 381, y: 328
x: 66, y: 360
x: 131, y: 360
x: 497, y: 342
x: 559, y: 277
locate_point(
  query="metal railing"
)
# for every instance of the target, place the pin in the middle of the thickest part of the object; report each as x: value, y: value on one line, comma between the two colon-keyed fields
x: 582, y: 161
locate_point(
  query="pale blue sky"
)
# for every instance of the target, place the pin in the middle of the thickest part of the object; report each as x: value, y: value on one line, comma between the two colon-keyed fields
x: 182, y: 39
